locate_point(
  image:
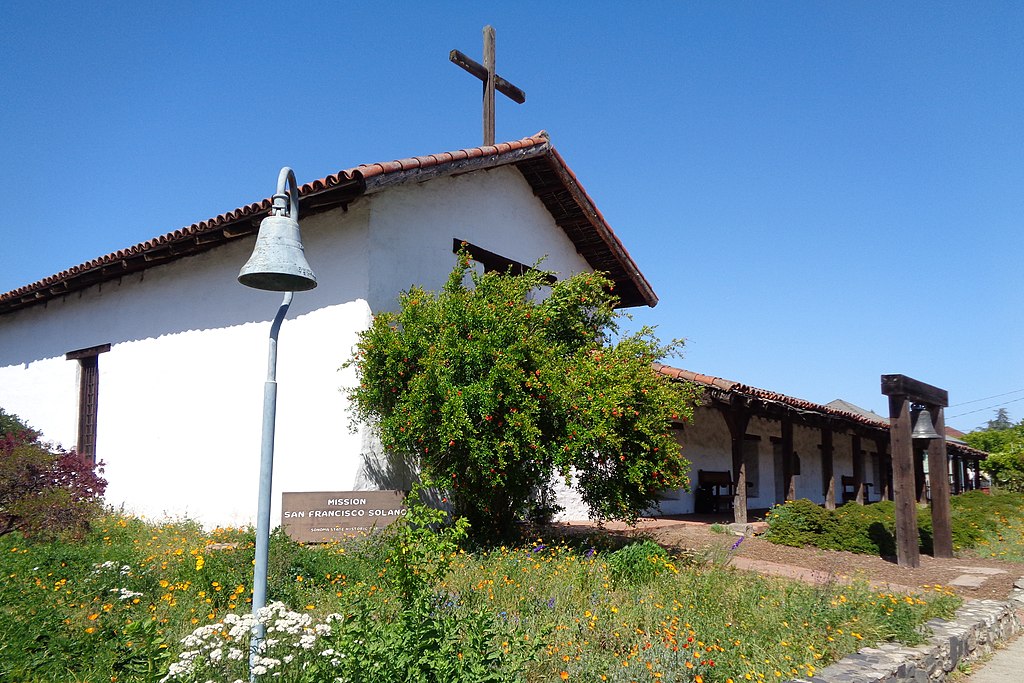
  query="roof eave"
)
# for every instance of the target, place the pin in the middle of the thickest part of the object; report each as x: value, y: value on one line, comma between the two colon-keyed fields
x: 544, y: 169
x: 796, y: 406
x: 557, y: 187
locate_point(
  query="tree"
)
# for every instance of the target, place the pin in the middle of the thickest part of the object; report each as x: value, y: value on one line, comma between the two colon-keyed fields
x: 995, y: 435
x: 1004, y: 443
x: 1000, y: 422
x: 1005, y: 461
x: 44, y: 490
x: 1006, y: 467
x: 494, y: 391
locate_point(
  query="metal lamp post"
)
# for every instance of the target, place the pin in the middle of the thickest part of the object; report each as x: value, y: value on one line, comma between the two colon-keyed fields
x: 277, y: 264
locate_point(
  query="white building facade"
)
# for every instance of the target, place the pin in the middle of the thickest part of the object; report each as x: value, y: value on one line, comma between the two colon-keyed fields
x: 153, y: 358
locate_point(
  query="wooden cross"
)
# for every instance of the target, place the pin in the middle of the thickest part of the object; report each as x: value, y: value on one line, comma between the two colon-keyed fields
x: 491, y: 80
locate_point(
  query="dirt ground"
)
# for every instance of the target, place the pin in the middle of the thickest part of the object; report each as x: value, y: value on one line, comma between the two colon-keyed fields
x: 689, y: 535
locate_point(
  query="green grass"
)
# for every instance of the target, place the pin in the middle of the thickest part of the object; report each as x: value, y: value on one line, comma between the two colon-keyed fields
x: 997, y: 523
x: 117, y: 605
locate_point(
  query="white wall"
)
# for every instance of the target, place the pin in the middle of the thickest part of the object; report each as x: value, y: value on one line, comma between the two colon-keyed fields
x: 412, y: 228
x: 707, y: 444
x: 181, y: 389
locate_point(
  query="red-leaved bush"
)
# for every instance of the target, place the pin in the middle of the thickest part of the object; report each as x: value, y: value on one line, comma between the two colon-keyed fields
x: 44, y: 490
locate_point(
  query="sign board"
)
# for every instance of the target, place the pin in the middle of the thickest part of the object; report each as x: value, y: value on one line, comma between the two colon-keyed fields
x: 324, y: 516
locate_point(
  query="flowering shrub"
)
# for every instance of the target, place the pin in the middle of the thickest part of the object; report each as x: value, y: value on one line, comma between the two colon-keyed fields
x: 292, y: 651
x: 127, y: 602
x: 44, y: 489
x: 495, y: 392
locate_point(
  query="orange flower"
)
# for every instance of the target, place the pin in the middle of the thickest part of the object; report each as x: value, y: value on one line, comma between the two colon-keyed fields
x: 564, y: 675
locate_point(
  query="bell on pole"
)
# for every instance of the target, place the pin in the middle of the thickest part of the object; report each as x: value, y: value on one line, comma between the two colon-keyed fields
x: 923, y: 426
x: 278, y: 262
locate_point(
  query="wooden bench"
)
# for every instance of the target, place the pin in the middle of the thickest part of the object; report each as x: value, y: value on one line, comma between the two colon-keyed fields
x: 718, y: 488
x: 850, y: 489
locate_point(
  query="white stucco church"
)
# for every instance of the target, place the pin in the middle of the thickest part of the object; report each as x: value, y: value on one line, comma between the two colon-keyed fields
x: 152, y: 359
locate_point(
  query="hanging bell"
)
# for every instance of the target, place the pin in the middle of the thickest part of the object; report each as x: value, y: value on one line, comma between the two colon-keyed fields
x: 278, y: 262
x: 922, y: 425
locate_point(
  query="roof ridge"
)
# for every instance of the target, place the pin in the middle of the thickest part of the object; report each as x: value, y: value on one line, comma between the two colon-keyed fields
x: 354, y: 177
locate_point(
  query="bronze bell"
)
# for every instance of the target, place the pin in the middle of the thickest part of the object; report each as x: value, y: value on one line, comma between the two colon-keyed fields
x: 278, y: 262
x: 922, y: 426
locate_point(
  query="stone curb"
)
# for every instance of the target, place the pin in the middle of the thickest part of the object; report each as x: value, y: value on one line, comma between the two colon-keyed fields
x: 977, y: 627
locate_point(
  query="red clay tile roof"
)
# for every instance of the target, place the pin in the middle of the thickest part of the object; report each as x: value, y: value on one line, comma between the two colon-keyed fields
x: 797, y: 404
x: 552, y: 181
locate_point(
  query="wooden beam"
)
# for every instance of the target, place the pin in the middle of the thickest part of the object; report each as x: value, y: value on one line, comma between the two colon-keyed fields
x: 489, y: 85
x: 917, y: 391
x: 907, y: 553
x: 500, y: 84
x: 490, y: 80
x: 87, y: 353
x: 938, y: 472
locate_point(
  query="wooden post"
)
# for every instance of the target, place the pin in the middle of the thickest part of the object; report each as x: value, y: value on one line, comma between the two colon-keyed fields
x: 901, y: 390
x: 907, y: 553
x: 789, y: 485
x: 920, y: 481
x: 958, y: 475
x: 938, y: 473
x: 884, y: 468
x: 858, y: 469
x: 828, y: 475
x: 491, y: 81
x: 737, y: 418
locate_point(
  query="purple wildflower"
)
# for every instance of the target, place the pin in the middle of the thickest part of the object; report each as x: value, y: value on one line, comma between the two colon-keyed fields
x: 737, y: 543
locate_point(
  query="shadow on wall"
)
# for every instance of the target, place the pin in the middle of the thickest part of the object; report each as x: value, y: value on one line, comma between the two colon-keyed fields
x: 380, y: 470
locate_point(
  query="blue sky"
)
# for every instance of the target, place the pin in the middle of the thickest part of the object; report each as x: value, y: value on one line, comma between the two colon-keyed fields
x: 819, y: 192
